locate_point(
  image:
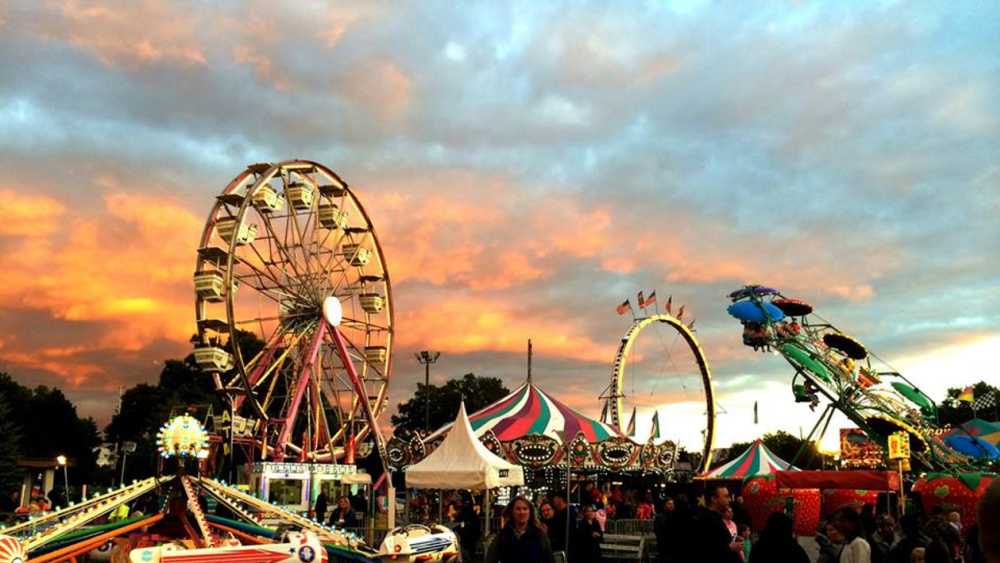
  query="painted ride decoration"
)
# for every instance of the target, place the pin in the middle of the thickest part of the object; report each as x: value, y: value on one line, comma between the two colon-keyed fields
x: 855, y: 499
x: 416, y: 542
x: 832, y: 366
x: 762, y: 496
x: 953, y: 492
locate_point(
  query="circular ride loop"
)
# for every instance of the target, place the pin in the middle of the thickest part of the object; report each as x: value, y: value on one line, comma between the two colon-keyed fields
x: 830, y: 364
x: 294, y: 312
x: 661, y: 371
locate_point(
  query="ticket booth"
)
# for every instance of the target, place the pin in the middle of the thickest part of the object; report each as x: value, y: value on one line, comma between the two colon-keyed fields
x: 295, y: 486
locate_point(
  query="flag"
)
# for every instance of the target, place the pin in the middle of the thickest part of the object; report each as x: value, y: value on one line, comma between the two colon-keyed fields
x: 985, y: 401
x: 755, y: 419
x: 623, y: 307
x: 966, y: 396
x: 654, y: 434
x: 649, y: 300
x: 642, y: 301
x: 631, y: 425
x: 691, y: 324
x: 670, y: 302
x: 680, y: 312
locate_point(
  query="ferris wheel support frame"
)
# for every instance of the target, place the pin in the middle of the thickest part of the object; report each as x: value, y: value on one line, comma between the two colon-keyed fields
x: 616, y: 394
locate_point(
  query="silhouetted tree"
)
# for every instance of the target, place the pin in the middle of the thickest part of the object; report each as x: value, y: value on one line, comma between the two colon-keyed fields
x: 49, y: 426
x: 952, y: 412
x: 478, y: 392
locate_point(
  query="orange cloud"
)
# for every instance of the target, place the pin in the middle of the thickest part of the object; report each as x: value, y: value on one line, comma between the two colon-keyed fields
x: 379, y: 86
x: 472, y: 324
x: 27, y: 215
x: 128, y: 264
x: 111, y: 33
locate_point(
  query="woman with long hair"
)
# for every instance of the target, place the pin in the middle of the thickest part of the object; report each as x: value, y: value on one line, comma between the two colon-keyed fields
x: 522, y: 539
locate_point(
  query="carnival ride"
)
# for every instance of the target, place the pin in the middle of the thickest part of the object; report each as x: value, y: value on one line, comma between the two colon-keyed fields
x: 833, y: 366
x: 177, y: 528
x: 294, y: 313
x: 670, y: 376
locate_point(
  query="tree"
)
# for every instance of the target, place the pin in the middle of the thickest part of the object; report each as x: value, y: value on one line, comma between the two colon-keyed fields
x: 952, y: 412
x: 443, y: 401
x: 785, y: 446
x: 49, y: 426
x: 10, y: 448
x: 182, y: 385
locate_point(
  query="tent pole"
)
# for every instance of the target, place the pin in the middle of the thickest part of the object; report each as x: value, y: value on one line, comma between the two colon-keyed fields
x: 486, y: 511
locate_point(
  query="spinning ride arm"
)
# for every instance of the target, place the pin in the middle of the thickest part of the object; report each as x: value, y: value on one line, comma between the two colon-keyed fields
x: 838, y: 368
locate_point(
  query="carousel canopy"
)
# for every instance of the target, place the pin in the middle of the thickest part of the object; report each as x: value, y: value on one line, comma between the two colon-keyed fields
x: 529, y: 410
x: 463, y: 462
x: 757, y: 460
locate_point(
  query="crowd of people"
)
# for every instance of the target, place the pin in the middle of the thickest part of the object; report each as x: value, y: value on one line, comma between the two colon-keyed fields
x: 715, y: 528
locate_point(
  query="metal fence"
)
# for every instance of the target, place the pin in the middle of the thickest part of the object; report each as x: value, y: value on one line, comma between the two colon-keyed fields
x: 628, y: 526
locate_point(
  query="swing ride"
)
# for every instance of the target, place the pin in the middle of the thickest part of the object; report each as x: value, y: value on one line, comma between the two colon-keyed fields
x: 832, y: 366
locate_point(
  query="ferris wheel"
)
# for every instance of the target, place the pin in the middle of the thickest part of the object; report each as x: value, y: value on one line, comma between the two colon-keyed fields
x: 660, y: 370
x: 294, y: 312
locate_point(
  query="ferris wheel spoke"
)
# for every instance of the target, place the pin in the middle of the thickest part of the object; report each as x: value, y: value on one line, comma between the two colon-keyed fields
x: 279, y: 246
x: 268, y: 272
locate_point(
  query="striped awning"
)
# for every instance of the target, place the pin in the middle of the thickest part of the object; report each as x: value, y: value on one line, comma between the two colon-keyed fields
x: 529, y: 410
x: 757, y: 460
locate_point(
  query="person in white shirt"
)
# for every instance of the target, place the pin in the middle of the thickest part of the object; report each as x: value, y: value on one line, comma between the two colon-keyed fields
x: 856, y: 548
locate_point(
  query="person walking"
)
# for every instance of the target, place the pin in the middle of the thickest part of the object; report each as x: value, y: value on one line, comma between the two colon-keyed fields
x: 587, y: 538
x: 522, y: 539
x: 467, y: 528
x: 856, y: 548
x: 777, y: 542
x: 321, y: 506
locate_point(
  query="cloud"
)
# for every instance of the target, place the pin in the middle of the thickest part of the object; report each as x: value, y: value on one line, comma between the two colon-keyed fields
x: 527, y: 168
x: 114, y: 35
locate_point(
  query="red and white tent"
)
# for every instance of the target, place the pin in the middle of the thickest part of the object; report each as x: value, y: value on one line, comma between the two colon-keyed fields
x: 756, y: 461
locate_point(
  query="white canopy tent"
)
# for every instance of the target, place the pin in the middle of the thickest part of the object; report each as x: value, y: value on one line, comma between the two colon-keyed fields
x: 463, y: 462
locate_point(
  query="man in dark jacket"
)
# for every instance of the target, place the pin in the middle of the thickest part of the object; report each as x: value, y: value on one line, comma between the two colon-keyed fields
x: 715, y: 541
x: 467, y: 528
x: 664, y: 521
x: 557, y: 524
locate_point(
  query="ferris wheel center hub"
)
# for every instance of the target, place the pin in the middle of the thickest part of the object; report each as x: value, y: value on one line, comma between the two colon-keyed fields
x: 332, y: 310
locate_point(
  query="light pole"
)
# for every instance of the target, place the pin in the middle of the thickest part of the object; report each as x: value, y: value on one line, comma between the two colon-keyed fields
x: 61, y: 460
x: 427, y: 358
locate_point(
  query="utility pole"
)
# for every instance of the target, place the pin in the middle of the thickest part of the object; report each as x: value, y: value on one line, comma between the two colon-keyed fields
x: 427, y: 358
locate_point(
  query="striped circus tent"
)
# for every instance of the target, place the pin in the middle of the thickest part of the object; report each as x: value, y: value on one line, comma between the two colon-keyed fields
x: 757, y: 460
x: 530, y: 410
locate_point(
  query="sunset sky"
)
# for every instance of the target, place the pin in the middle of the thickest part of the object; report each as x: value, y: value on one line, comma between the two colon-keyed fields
x: 527, y: 166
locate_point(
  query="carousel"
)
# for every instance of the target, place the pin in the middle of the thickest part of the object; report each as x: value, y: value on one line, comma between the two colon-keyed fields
x: 167, y: 519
